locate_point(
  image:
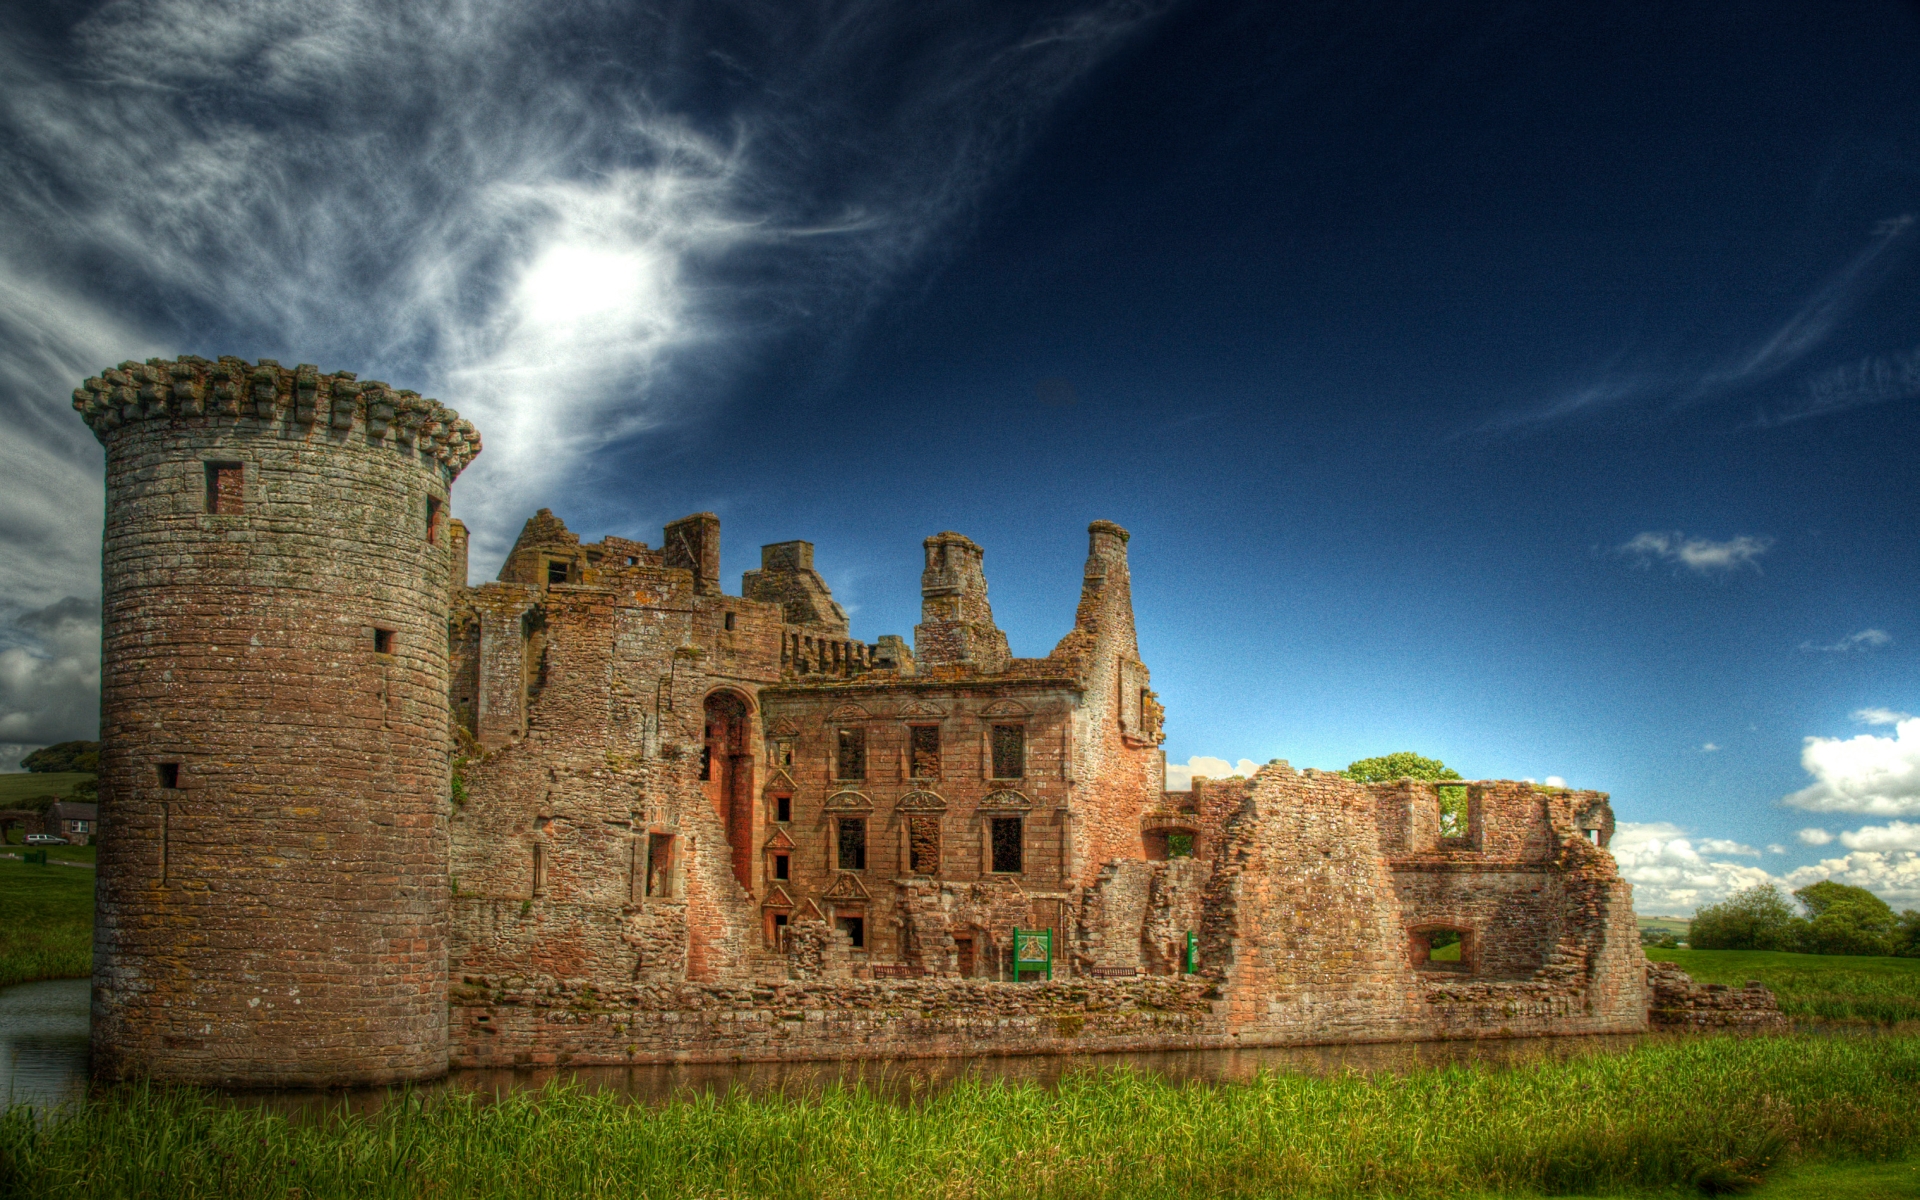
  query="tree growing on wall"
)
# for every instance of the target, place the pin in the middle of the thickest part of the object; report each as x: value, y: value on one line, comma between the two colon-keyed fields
x: 1405, y: 764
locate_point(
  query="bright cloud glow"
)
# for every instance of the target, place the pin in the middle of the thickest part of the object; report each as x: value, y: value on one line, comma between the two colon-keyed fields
x: 1866, y: 639
x: 1814, y: 837
x: 1879, y: 716
x: 1672, y: 872
x: 1708, y: 748
x: 1895, y: 835
x: 1180, y: 775
x: 1869, y: 774
x: 1893, y: 875
x: 1700, y: 555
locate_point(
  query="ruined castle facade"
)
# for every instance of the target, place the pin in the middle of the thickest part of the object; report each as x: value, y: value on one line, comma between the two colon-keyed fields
x: 363, y: 821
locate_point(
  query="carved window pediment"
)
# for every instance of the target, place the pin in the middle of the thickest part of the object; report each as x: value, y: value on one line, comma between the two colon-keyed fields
x: 780, y: 781
x: 848, y: 712
x: 921, y: 800
x: 848, y: 889
x: 920, y: 709
x: 849, y: 802
x: 784, y: 727
x: 1006, y: 708
x: 1006, y: 800
x: 778, y: 898
x: 811, y: 911
x: 779, y: 841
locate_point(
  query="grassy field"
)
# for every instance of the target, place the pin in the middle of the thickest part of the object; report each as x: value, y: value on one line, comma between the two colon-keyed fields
x: 46, y: 922
x: 1677, y: 926
x: 19, y: 789
x: 1679, y: 1116
x: 1830, y: 988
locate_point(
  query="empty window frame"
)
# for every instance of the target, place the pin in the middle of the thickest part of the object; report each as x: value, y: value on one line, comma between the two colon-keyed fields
x: 924, y: 754
x: 1453, y: 811
x: 1443, y: 949
x: 855, y: 929
x: 783, y: 809
x: 923, y: 845
x: 1009, y: 751
x: 383, y: 641
x: 556, y: 571
x: 660, y: 865
x: 1005, y: 836
x: 783, y: 752
x: 776, y: 929
x: 169, y: 775
x: 729, y: 622
x: 850, y: 754
x: 539, y: 869
x: 224, y: 480
x: 853, y: 843
x: 433, y: 520
x: 782, y: 866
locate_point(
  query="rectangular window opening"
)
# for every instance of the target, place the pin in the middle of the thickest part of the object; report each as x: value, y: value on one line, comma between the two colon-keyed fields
x: 783, y: 752
x: 782, y: 866
x: 556, y: 571
x: 783, y: 809
x: 539, y: 868
x: 433, y: 521
x: 778, y: 927
x: 1445, y: 949
x: 1009, y: 751
x: 850, y: 758
x: 383, y: 641
x: 223, y: 488
x: 926, y: 751
x: 1453, y: 811
x: 169, y: 775
x: 729, y: 622
x: 855, y: 929
x: 853, y: 843
x: 923, y: 845
x: 1006, y: 845
x: 660, y: 864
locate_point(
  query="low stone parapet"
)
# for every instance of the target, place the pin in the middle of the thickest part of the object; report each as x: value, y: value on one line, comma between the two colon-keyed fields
x: 1681, y: 1003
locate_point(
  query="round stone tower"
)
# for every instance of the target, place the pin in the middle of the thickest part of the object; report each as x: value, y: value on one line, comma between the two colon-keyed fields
x: 273, y: 891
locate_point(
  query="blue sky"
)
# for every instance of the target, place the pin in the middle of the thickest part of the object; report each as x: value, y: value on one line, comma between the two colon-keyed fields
x: 1533, y: 389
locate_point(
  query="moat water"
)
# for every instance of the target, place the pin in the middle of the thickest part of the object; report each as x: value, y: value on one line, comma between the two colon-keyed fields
x: 43, y: 1063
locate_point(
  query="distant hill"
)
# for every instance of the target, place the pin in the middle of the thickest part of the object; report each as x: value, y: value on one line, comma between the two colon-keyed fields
x: 36, y: 791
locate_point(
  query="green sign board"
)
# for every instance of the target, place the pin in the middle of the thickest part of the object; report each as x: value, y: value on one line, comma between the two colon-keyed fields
x: 1032, y: 951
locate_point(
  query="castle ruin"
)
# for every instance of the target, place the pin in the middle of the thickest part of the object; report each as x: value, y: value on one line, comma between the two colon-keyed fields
x: 365, y: 822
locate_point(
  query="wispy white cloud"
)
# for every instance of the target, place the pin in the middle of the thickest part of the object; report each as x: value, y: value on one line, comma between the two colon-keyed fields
x: 1701, y: 555
x: 1879, y: 716
x: 1708, y: 748
x: 1867, y: 774
x: 1180, y: 775
x: 1722, y: 846
x: 569, y: 222
x: 1866, y: 639
x: 1814, y: 836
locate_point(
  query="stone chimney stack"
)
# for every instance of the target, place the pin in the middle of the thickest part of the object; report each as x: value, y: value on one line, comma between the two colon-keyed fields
x: 956, y: 627
x: 693, y: 544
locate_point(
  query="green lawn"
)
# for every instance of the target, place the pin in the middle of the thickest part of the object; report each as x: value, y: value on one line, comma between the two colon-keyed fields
x: 46, y: 921
x: 17, y: 788
x: 1835, y: 988
x: 1677, y: 926
x: 1799, y: 1116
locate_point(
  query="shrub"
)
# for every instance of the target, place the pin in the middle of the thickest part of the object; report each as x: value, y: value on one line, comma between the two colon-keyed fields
x: 1756, y: 918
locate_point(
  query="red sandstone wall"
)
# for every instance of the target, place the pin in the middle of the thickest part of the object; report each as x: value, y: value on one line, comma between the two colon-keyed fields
x: 278, y: 917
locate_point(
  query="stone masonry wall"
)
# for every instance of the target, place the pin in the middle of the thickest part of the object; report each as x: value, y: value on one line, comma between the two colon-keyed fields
x: 272, y: 904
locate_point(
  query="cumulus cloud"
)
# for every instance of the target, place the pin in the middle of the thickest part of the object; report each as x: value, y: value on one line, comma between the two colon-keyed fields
x: 1893, y: 875
x: 1703, y: 556
x: 1673, y: 872
x: 50, y: 675
x: 1895, y: 835
x: 570, y: 222
x: 1775, y: 848
x: 1864, y: 640
x: 1814, y: 837
x: 1868, y: 774
x: 1180, y: 775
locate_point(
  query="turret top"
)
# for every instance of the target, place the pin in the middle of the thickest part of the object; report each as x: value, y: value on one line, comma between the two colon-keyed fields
x: 194, y: 387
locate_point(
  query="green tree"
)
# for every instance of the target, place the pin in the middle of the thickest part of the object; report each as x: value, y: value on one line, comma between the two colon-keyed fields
x: 64, y: 756
x: 1404, y: 765
x: 1906, y: 940
x: 1846, y: 920
x: 1755, y: 918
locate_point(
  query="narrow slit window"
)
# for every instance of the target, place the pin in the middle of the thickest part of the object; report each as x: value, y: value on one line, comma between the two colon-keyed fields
x: 853, y: 843
x: 539, y: 868
x: 223, y: 488
x: 1009, y: 751
x: 850, y: 760
x: 926, y: 751
x: 169, y: 775
x: 779, y: 929
x: 433, y: 521
x: 729, y: 622
x: 1007, y: 856
x: 660, y: 864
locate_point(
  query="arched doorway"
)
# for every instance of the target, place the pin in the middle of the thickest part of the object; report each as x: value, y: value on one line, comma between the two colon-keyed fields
x: 726, y: 768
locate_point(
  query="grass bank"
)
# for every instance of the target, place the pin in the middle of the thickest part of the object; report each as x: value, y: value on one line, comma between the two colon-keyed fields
x: 1700, y: 1114
x: 1841, y: 989
x: 26, y: 789
x: 46, y: 922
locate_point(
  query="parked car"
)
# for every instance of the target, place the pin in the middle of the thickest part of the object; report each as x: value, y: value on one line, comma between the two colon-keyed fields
x: 45, y: 839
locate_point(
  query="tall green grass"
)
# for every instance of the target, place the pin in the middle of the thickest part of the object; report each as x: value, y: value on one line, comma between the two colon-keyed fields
x: 46, y: 922
x: 1838, y: 989
x: 1707, y: 1114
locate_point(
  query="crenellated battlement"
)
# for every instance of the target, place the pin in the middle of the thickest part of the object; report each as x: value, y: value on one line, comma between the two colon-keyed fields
x: 193, y: 387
